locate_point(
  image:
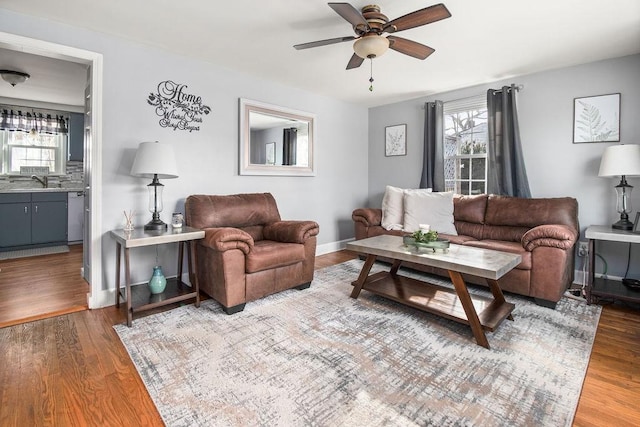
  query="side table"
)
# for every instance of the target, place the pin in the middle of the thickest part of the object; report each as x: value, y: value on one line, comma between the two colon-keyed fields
x: 139, y: 298
x: 608, y: 288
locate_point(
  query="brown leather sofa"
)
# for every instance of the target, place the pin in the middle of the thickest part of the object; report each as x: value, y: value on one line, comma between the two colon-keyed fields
x: 542, y: 231
x: 248, y: 252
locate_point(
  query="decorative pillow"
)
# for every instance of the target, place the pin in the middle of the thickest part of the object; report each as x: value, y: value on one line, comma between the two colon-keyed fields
x: 393, y: 206
x: 434, y: 209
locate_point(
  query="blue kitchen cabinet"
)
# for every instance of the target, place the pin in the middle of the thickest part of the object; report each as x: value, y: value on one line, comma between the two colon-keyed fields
x: 33, y: 219
x: 15, y: 211
x: 76, y: 137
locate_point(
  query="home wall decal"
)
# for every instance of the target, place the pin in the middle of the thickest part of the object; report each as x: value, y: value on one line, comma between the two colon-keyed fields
x: 177, y: 108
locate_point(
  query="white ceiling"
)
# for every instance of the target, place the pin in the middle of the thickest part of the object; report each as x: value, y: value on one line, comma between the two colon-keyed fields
x: 483, y: 41
x: 52, y: 80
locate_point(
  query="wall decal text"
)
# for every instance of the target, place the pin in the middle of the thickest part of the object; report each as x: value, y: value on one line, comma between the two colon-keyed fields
x: 177, y: 108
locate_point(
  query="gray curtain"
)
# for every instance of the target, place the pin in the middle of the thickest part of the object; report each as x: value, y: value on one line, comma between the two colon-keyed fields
x: 433, y: 155
x: 506, y: 171
x: 289, y: 142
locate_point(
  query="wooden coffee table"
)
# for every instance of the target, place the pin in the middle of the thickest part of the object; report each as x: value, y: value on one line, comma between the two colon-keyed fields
x: 480, y: 313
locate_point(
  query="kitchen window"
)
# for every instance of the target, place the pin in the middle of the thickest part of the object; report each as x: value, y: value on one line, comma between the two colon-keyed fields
x: 465, y: 145
x: 32, y: 139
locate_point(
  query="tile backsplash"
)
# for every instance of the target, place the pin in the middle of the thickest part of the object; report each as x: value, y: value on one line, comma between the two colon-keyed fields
x: 74, y: 178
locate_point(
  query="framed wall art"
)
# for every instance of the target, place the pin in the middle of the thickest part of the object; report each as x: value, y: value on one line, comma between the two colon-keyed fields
x: 395, y: 140
x: 596, y: 118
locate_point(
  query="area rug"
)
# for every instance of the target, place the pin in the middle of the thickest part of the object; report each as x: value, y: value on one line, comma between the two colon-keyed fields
x: 318, y: 357
x: 23, y: 253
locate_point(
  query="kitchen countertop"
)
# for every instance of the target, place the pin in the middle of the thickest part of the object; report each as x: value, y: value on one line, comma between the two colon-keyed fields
x: 42, y: 190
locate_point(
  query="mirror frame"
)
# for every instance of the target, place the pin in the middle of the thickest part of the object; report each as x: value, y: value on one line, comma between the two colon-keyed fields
x: 246, y: 167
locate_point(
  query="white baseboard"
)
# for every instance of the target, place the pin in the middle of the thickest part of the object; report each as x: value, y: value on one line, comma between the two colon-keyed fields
x: 332, y: 247
x: 104, y: 298
x: 580, y: 277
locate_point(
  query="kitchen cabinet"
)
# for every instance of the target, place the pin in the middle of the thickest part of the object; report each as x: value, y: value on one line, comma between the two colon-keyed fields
x: 15, y: 211
x: 76, y: 137
x: 33, y: 219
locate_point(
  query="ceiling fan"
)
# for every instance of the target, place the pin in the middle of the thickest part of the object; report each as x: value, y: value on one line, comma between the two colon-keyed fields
x: 370, y: 26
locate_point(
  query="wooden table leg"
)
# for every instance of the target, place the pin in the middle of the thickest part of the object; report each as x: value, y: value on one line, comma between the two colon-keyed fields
x: 395, y: 266
x: 590, y: 271
x: 469, y: 309
x: 364, y: 274
x: 118, y: 250
x: 497, y: 293
x: 127, y: 283
x: 180, y: 260
x: 192, y: 257
x: 393, y: 272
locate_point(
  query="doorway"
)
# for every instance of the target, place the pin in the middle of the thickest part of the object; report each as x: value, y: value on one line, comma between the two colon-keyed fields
x: 91, y: 256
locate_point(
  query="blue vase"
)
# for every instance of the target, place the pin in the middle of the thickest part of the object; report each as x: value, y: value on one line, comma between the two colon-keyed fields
x: 158, y: 282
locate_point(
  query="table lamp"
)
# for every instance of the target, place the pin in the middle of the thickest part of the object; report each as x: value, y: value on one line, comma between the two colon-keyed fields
x: 621, y: 160
x: 155, y: 160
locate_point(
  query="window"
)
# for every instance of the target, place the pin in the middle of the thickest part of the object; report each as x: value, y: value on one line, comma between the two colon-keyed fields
x: 465, y: 145
x: 32, y: 149
x: 33, y: 138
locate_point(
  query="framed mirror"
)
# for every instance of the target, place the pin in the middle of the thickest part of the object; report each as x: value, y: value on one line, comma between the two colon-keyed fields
x: 276, y: 140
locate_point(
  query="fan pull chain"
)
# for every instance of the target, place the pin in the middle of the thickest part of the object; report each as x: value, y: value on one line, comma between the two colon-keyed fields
x: 371, y: 76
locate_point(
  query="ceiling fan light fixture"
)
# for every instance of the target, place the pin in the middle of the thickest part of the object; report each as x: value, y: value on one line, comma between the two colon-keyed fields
x: 14, y: 77
x: 371, y: 46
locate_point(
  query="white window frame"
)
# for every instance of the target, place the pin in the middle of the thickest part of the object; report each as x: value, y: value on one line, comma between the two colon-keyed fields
x: 459, y: 106
x: 5, y: 153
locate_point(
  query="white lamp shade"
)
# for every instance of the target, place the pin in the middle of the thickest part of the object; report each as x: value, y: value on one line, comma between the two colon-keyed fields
x: 371, y: 46
x: 619, y: 160
x: 155, y: 158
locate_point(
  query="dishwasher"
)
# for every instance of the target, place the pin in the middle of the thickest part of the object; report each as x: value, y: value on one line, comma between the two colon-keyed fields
x: 75, y: 224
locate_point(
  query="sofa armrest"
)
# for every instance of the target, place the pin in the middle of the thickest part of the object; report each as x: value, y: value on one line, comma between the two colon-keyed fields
x: 554, y: 236
x: 367, y: 216
x: 226, y: 238
x: 291, y: 231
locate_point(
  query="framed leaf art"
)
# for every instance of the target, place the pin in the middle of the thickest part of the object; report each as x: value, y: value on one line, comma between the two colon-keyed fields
x: 395, y: 140
x: 596, y: 118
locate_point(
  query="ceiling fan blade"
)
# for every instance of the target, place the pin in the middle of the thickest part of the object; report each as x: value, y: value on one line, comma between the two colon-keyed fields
x: 419, y: 17
x: 350, y: 14
x: 409, y: 47
x: 324, y: 42
x: 354, y: 62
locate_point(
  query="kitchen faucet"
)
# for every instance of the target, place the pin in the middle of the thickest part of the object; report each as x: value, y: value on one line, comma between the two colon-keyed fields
x: 44, y: 181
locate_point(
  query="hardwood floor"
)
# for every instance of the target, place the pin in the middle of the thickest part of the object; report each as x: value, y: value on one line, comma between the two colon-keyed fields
x: 37, y: 287
x: 73, y: 370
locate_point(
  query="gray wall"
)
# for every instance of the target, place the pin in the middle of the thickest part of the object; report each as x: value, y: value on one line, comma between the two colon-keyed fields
x: 208, y: 159
x: 556, y: 167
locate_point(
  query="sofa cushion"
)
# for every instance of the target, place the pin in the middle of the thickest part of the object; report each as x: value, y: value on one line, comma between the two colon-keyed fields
x: 393, y: 208
x: 434, y: 209
x: 470, y: 208
x: 237, y: 210
x: 529, y: 213
x: 267, y: 254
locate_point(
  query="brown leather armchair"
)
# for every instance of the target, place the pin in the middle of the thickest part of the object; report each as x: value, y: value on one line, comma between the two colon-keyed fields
x: 248, y: 252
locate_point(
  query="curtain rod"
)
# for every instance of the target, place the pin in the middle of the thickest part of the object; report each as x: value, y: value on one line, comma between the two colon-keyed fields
x: 518, y: 88
x: 27, y: 109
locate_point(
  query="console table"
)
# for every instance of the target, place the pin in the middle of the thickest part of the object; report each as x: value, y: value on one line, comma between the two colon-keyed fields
x: 607, y: 288
x: 139, y: 298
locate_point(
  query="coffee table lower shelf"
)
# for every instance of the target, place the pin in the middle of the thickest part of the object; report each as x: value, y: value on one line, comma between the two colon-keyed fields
x: 437, y: 299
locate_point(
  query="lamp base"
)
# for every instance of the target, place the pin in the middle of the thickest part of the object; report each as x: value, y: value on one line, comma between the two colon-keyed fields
x: 155, y: 225
x: 623, y: 224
